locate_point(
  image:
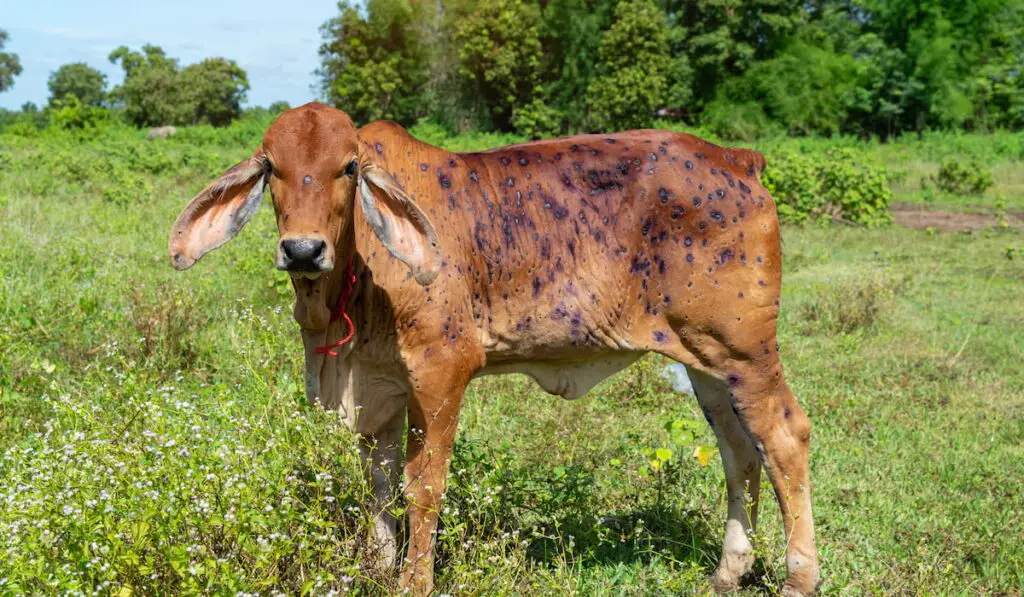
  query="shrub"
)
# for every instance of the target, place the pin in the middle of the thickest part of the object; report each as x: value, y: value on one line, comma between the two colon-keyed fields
x: 72, y: 113
x: 838, y: 186
x: 803, y: 90
x: 850, y: 305
x: 437, y: 134
x: 125, y: 188
x: 22, y: 128
x: 963, y: 178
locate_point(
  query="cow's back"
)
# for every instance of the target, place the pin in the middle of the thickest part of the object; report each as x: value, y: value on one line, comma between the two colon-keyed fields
x: 561, y: 248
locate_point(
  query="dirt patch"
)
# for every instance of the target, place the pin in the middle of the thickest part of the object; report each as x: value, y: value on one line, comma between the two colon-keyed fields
x: 918, y: 218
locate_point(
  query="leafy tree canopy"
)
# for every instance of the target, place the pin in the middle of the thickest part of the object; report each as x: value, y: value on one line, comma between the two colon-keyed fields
x: 156, y: 91
x: 741, y: 67
x: 10, y: 66
x: 80, y: 80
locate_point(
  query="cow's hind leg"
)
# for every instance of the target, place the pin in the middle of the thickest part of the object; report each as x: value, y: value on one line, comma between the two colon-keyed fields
x: 778, y: 428
x: 781, y: 433
x: 742, y: 477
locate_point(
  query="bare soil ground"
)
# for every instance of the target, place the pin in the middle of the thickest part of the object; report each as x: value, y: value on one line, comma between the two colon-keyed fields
x: 909, y: 215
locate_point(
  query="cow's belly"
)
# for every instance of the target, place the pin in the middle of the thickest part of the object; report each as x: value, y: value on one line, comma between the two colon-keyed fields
x: 568, y: 378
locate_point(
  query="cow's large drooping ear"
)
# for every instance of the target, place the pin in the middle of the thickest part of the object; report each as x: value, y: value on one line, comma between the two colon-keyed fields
x: 399, y: 223
x: 218, y: 212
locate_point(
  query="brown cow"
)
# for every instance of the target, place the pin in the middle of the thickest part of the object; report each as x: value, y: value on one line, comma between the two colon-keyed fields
x: 565, y: 259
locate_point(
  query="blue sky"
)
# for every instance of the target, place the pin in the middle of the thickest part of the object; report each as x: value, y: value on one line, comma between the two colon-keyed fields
x: 274, y: 41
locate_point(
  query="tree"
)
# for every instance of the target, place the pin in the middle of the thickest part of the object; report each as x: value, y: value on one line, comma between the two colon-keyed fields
x: 742, y: 67
x: 214, y: 90
x: 500, y: 57
x: 634, y: 60
x: 150, y: 92
x: 375, y: 63
x: 157, y: 92
x: 805, y: 88
x: 999, y: 83
x: 10, y: 66
x: 278, y: 107
x: 929, y: 63
x: 80, y: 80
x: 721, y: 39
x: 571, y: 36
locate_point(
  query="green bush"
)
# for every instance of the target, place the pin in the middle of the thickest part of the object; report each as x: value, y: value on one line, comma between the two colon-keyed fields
x: 963, y: 178
x: 437, y: 134
x: 837, y: 185
x: 111, y: 160
x: 22, y: 128
x: 29, y: 119
x: 71, y: 113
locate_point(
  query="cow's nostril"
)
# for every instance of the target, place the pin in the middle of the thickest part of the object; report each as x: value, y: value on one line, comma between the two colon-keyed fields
x: 303, y: 254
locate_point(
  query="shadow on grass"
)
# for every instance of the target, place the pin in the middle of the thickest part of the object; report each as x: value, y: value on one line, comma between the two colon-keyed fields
x: 560, y: 517
x: 632, y: 536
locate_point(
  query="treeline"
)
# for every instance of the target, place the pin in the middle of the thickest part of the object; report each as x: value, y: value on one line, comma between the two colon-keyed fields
x: 735, y: 68
x: 740, y: 68
x: 156, y: 90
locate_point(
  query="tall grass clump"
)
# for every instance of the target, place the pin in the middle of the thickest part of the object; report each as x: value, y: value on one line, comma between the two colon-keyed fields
x: 850, y: 304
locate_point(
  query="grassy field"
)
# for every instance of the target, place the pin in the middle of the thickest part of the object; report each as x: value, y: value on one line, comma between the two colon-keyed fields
x: 156, y: 440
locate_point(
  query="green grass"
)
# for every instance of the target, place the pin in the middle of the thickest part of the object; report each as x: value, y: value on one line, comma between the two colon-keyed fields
x: 917, y: 161
x: 155, y: 437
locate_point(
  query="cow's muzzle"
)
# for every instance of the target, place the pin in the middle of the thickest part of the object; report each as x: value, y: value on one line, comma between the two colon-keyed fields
x: 304, y: 256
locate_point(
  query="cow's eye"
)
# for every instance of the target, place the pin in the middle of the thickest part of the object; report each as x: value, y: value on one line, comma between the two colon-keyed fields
x: 350, y: 169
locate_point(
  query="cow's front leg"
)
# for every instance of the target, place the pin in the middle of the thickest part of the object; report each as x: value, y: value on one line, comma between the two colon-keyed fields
x: 433, y: 416
x: 382, y: 461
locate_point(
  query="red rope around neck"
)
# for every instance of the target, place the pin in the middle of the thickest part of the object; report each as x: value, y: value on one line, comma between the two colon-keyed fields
x: 338, y: 312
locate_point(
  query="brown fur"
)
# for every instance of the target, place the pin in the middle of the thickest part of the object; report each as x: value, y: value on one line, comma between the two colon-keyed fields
x: 565, y: 259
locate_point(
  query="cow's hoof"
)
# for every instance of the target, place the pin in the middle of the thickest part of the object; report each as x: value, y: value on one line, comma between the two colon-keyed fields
x: 789, y: 590
x: 802, y: 578
x: 723, y: 585
x: 732, y: 569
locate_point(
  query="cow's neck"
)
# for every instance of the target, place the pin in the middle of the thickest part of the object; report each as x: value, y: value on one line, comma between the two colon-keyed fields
x: 314, y: 299
x: 332, y: 380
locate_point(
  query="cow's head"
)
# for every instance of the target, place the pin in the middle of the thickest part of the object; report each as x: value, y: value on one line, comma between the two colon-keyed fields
x: 315, y: 164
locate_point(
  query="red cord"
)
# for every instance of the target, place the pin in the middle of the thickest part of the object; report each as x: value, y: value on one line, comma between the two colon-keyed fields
x: 338, y: 312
